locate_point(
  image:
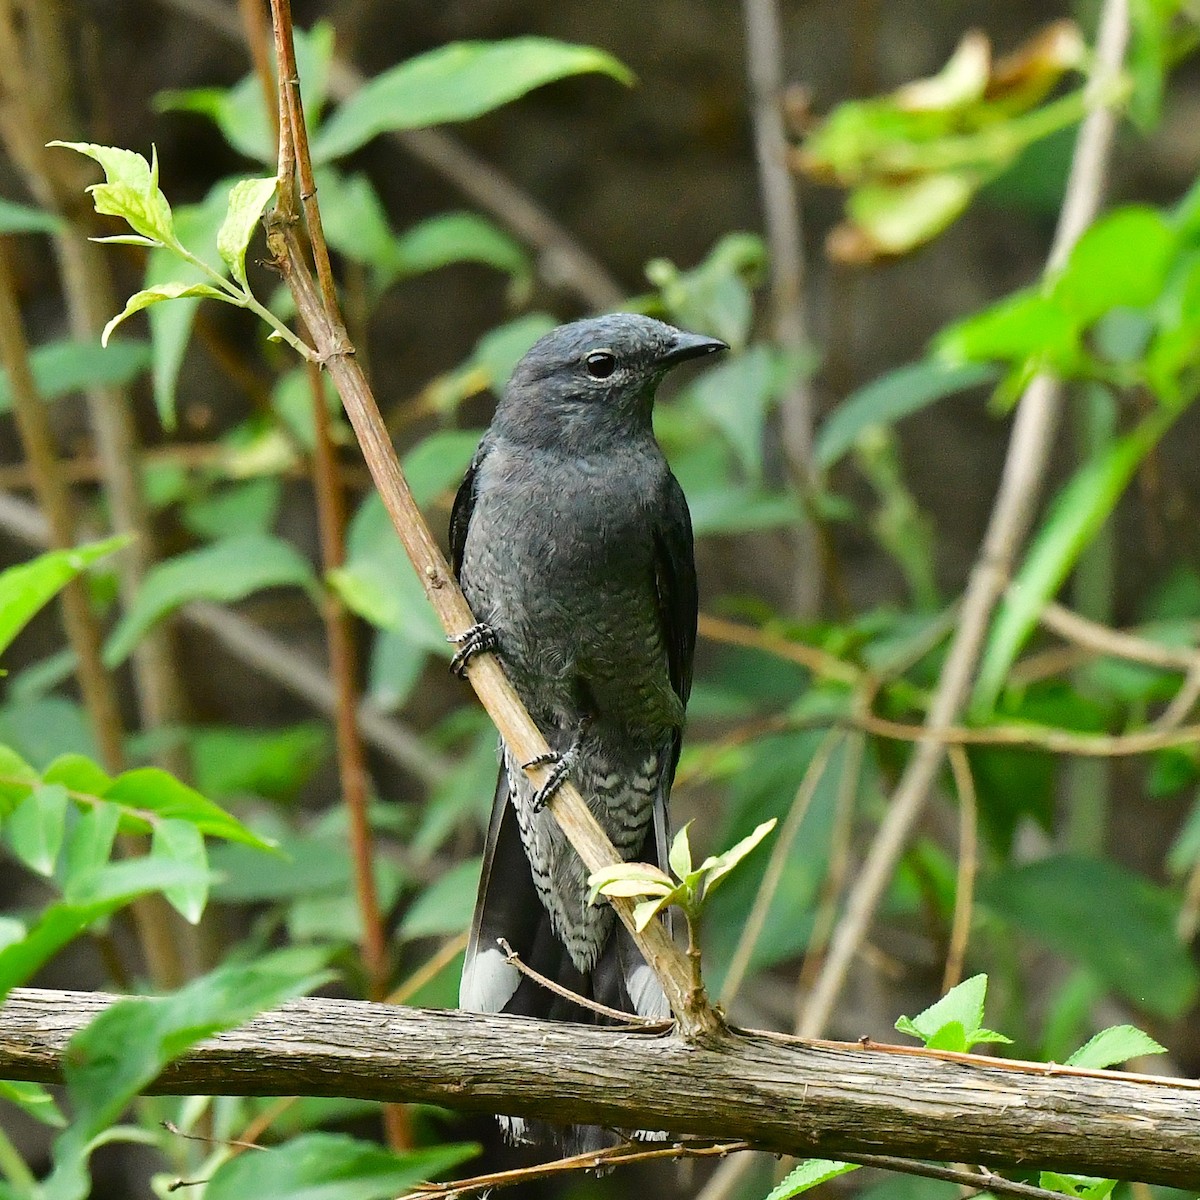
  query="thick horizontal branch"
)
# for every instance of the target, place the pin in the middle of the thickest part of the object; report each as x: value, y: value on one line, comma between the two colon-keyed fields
x: 826, y: 1098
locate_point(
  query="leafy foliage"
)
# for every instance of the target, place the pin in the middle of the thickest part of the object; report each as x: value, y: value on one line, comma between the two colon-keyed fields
x: 252, y: 830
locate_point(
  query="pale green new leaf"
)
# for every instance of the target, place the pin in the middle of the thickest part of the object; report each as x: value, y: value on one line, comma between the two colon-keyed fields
x: 455, y: 83
x: 247, y: 199
x: 26, y: 588
x: 130, y: 190
x: 165, y: 291
x: 629, y: 879
x: 645, y: 912
x: 962, y: 1004
x: 680, y: 855
x: 715, y: 868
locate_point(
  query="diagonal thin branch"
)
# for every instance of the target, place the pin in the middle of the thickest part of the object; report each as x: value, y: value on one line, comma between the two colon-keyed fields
x: 1016, y: 502
x: 323, y: 320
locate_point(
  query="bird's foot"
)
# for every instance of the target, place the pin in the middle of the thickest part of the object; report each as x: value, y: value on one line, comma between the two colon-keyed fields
x: 560, y: 767
x: 479, y: 639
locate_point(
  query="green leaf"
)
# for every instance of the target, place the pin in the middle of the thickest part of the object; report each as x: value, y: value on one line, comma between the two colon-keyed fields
x: 330, y: 1166
x: 1025, y: 325
x: 445, y: 907
x: 150, y: 790
x: 175, y: 290
x: 459, y: 237
x: 1101, y: 916
x: 26, y: 588
x: 60, y: 368
x: 228, y: 570
x: 247, y: 199
x: 91, y: 897
x: 130, y: 190
x: 108, y: 1062
x: 33, y: 1100
x: 455, y: 83
x: 962, y: 1004
x: 1080, y: 1187
x: 271, y: 763
x: 1076, y: 516
x: 680, y: 855
x: 715, y: 296
x: 737, y: 396
x: 629, y: 879
x: 893, y: 218
x: 716, y: 868
x: 1116, y: 1044
x: 36, y: 827
x: 1121, y: 261
x: 886, y: 400
x: 21, y: 218
x: 90, y: 842
x: 181, y: 841
x: 809, y: 1174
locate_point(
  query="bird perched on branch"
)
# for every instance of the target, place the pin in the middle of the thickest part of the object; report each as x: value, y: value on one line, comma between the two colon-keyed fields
x: 573, y: 544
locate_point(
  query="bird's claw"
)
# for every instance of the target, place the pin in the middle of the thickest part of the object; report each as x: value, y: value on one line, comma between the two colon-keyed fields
x: 479, y: 639
x: 560, y: 767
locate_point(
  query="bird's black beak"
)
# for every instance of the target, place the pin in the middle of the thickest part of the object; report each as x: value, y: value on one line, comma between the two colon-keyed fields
x: 690, y: 345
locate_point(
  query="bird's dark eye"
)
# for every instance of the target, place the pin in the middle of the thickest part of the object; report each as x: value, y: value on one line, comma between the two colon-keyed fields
x: 600, y: 364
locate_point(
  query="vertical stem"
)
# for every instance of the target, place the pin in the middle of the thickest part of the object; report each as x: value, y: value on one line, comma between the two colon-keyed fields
x: 35, y: 105
x: 82, y: 630
x: 1087, y: 796
x: 784, y: 230
x: 331, y: 514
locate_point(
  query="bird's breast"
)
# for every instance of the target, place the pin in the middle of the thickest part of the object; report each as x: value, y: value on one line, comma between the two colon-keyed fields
x: 559, y: 560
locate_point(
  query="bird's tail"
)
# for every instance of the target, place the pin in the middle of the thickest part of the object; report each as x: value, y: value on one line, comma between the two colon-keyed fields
x: 509, y: 908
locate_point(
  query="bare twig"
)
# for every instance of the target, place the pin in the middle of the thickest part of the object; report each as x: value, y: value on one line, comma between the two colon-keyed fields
x: 773, y: 873
x: 616, y: 1014
x: 83, y: 631
x: 1016, y: 500
x: 323, y: 320
x: 819, y: 662
x: 782, y: 218
x: 614, y: 1156
x: 1115, y: 643
x: 968, y: 864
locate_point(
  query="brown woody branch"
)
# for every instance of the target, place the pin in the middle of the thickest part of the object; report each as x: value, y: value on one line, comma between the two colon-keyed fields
x: 318, y: 310
x: 833, y: 1099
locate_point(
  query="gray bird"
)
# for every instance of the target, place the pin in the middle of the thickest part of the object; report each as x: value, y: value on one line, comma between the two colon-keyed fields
x: 573, y: 545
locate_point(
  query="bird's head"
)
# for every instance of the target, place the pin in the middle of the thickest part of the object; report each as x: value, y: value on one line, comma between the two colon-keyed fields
x: 595, y: 377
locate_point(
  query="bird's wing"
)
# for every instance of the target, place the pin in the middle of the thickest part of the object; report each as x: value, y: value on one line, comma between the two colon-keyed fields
x: 675, y: 585
x: 460, y: 514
